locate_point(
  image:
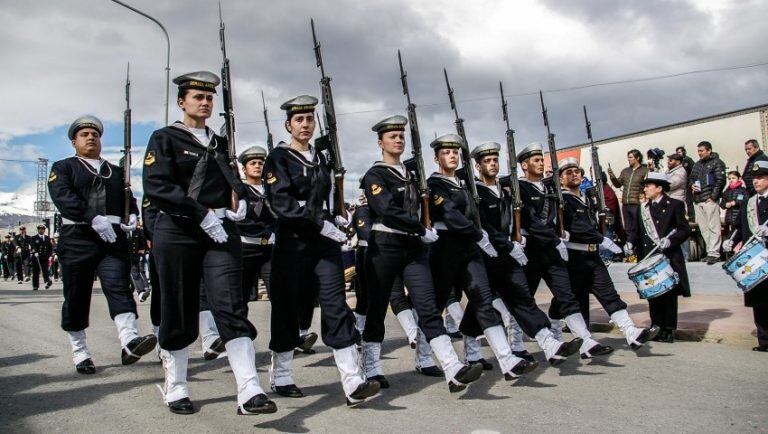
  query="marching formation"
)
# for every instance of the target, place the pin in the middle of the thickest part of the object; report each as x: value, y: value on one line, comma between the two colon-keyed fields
x: 424, y: 242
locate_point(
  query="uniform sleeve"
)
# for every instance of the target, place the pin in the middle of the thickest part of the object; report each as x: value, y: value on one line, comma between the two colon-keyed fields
x: 69, y: 203
x: 537, y: 228
x: 501, y: 242
x: 454, y: 218
x: 681, y: 224
x: 277, y: 187
x: 382, y: 203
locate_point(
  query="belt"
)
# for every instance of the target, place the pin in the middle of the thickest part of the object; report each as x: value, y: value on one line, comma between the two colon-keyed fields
x: 381, y: 227
x: 582, y: 247
x: 115, y: 220
x: 254, y: 240
x: 362, y: 243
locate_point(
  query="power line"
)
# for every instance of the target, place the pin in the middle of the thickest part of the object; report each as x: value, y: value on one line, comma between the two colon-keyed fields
x: 562, y: 89
x: 18, y: 161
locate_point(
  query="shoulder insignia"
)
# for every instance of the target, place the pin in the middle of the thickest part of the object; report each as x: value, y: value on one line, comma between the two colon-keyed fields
x: 150, y: 158
x: 375, y: 189
x: 145, y: 203
x: 360, y: 223
x: 52, y: 176
x: 271, y: 179
x: 438, y: 199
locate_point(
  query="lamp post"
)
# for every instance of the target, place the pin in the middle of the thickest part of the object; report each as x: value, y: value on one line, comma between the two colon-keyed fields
x: 167, y: 56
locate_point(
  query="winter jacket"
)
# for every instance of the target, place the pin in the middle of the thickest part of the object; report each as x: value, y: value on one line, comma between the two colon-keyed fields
x: 736, y: 194
x: 678, y: 182
x: 710, y: 172
x: 747, y: 175
x: 630, y: 182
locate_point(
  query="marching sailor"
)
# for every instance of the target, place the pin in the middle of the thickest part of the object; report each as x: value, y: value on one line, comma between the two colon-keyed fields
x: 547, y: 253
x: 505, y: 272
x: 187, y: 177
x: 397, y: 248
x: 659, y: 216
x: 306, y: 259
x: 361, y: 226
x: 752, y: 222
x: 587, y: 271
x: 88, y: 192
x: 41, y: 249
x: 456, y: 258
x: 21, y: 255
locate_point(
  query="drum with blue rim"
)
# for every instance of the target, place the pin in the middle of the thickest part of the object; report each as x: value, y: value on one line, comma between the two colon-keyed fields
x: 653, y: 276
x: 749, y: 267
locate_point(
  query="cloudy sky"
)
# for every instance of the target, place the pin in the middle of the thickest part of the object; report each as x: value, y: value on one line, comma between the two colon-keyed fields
x: 65, y: 58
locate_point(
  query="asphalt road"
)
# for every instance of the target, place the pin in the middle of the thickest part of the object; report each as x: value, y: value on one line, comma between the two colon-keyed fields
x: 681, y: 387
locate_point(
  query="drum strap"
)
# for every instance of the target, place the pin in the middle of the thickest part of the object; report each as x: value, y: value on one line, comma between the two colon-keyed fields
x: 752, y: 214
x: 650, y: 228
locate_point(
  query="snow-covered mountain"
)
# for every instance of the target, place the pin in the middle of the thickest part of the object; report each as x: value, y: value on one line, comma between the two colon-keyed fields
x: 17, y: 207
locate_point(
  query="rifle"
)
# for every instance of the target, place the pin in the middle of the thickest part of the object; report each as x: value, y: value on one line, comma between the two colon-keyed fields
x: 127, y: 195
x: 228, y: 113
x: 416, y: 147
x: 270, y: 143
x: 555, y: 175
x: 331, y: 139
x: 465, y: 158
x: 602, y: 215
x: 517, y: 203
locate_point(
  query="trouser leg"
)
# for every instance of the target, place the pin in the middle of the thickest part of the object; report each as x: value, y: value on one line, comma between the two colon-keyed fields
x: 384, y: 264
x: 79, y: 259
x: 35, y: 275
x: 19, y: 268
x: 291, y: 273
x: 113, y: 272
x: 337, y: 324
x: 603, y: 288
x: 418, y: 279
x: 361, y: 282
x: 155, y: 301
x: 760, y: 315
x: 512, y: 286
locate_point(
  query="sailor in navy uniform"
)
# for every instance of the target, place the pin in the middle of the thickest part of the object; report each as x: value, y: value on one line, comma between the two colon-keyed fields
x: 586, y: 268
x: 21, y: 255
x: 88, y: 192
x: 361, y: 226
x: 752, y: 222
x: 660, y: 215
x: 456, y: 258
x: 188, y: 178
x: 505, y: 272
x: 41, y: 249
x: 546, y: 251
x: 306, y: 259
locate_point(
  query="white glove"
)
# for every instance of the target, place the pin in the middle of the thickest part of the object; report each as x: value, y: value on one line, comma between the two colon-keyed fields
x: 727, y: 246
x: 341, y: 221
x: 517, y: 254
x: 523, y: 241
x: 131, y: 226
x: 628, y: 248
x: 562, y: 250
x: 332, y: 232
x: 430, y: 236
x: 271, y: 239
x: 485, y: 244
x: 664, y: 244
x: 609, y: 245
x: 566, y: 236
x: 103, y: 227
x: 762, y: 231
x: 238, y: 215
x: 212, y: 226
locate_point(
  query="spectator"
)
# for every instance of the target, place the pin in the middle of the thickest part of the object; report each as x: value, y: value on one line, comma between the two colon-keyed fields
x: 688, y: 166
x: 678, y: 189
x: 754, y: 154
x: 734, y: 197
x: 630, y: 181
x: 707, y: 182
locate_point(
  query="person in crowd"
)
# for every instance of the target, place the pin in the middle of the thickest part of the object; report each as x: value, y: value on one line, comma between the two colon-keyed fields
x: 734, y: 197
x: 630, y: 181
x: 687, y: 163
x: 707, y: 182
x: 754, y: 154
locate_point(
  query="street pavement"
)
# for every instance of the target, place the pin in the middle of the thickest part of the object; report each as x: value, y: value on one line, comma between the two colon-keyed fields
x: 680, y: 387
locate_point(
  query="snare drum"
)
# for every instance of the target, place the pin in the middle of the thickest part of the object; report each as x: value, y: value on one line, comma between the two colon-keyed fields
x: 749, y: 267
x: 653, y: 276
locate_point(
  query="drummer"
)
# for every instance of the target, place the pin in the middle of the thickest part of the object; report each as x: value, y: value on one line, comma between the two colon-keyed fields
x: 659, y: 216
x: 752, y: 222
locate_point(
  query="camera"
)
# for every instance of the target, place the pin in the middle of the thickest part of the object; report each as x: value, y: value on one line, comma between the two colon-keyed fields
x: 655, y: 155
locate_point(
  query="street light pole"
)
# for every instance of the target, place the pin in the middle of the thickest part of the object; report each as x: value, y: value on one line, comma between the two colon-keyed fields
x: 167, y: 56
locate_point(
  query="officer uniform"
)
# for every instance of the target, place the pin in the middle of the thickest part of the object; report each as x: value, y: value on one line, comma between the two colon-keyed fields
x: 587, y: 271
x: 89, y: 195
x: 397, y: 249
x: 7, y: 249
x: 21, y: 254
x: 304, y: 260
x: 664, y: 214
x: 187, y: 177
x: 41, y: 249
x: 546, y: 257
x: 456, y: 260
x: 505, y: 274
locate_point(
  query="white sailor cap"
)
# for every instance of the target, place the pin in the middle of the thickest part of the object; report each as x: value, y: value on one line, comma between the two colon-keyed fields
x: 760, y: 168
x: 529, y: 151
x: 447, y: 141
x: 200, y: 80
x: 86, y: 121
x: 566, y: 163
x: 485, y: 149
x: 252, y: 153
x: 299, y: 104
x: 657, y: 178
x: 392, y: 123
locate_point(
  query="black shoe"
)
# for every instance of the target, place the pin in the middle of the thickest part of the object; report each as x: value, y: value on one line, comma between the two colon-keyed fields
x: 137, y: 348
x: 382, y: 380
x: 522, y: 367
x: 597, y: 350
x: 259, y: 404
x: 711, y: 260
x: 666, y: 336
x: 182, y: 406
x: 365, y: 390
x: 466, y: 375
x: 289, y: 391
x: 456, y: 335
x: 307, y: 341
x: 761, y: 348
x: 646, y: 335
x: 525, y: 355
x: 26, y: 279
x: 86, y: 367
x: 217, y: 347
x: 430, y: 371
x: 35, y: 289
x: 19, y: 282
x: 48, y: 284
x: 487, y: 366
x: 565, y: 350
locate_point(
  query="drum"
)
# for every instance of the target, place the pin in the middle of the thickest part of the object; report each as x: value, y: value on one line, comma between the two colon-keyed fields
x: 749, y: 267
x: 653, y: 276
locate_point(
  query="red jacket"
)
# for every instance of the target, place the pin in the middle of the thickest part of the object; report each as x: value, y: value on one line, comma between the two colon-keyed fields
x: 612, y: 203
